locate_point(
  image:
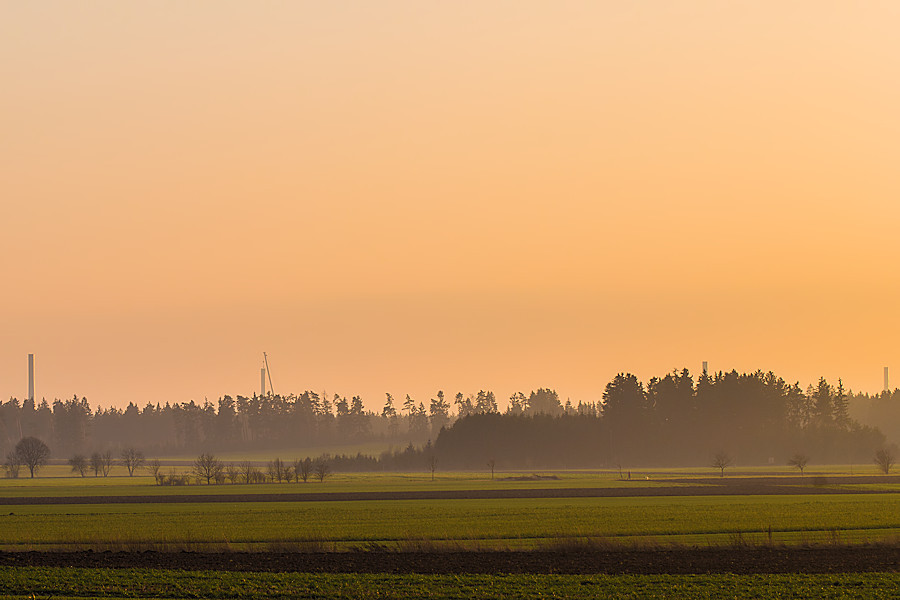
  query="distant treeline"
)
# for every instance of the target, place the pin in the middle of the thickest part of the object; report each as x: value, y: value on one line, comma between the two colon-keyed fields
x: 236, y: 423
x: 751, y: 418
x: 672, y: 420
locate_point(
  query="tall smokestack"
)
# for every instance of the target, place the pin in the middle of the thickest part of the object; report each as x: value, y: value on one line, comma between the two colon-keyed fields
x: 262, y: 382
x: 705, y: 367
x: 31, y: 377
x: 887, y: 387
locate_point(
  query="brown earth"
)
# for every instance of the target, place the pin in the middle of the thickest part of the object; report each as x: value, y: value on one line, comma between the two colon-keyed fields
x: 742, y: 560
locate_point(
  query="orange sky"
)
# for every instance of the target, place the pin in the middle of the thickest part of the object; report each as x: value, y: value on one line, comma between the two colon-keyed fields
x: 412, y: 196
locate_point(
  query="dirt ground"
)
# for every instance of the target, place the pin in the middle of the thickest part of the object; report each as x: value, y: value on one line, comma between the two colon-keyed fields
x: 739, y: 560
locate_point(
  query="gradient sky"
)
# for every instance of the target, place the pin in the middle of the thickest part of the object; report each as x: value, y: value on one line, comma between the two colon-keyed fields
x: 411, y: 196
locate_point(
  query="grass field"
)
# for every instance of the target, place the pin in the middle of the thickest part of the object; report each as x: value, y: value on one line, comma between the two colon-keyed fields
x: 503, y: 523
x: 497, y: 523
x: 57, y: 480
x: 64, y: 583
x: 412, y: 525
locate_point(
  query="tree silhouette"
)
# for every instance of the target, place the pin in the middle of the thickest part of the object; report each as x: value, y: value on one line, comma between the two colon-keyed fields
x: 277, y: 471
x: 517, y: 404
x: 79, y: 464
x: 106, y: 461
x: 232, y: 472
x: 322, y: 470
x: 208, y: 467
x: 132, y: 459
x: 885, y: 459
x: 96, y: 464
x: 12, y: 465
x: 33, y: 453
x: 544, y: 401
x: 486, y: 402
x: 248, y: 471
x: 302, y: 469
x: 154, y: 467
x: 721, y: 461
x: 439, y: 412
x: 799, y: 461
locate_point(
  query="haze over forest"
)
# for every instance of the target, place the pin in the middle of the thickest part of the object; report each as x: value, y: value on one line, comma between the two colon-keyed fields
x: 676, y: 419
x: 404, y: 197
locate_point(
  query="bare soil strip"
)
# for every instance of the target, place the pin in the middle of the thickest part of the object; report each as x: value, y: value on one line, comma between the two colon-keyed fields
x: 807, y: 480
x: 746, y: 487
x: 740, y: 560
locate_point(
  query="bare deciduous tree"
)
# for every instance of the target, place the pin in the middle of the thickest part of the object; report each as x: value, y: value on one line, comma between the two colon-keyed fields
x: 132, y: 459
x: 721, y: 461
x: 33, y: 453
x: 277, y: 470
x: 248, y: 471
x: 154, y: 466
x: 96, y: 464
x: 232, y: 472
x: 79, y: 464
x: 799, y: 461
x: 101, y: 463
x: 322, y: 470
x: 491, y: 464
x: 885, y: 459
x: 302, y: 469
x: 207, y: 467
x: 106, y: 462
x: 12, y: 465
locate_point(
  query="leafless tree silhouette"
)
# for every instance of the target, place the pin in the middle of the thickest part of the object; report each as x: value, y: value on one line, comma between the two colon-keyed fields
x: 885, y: 459
x: 208, y: 467
x: 322, y: 470
x: 799, y: 461
x: 132, y: 459
x: 33, y: 453
x: 79, y: 464
x: 721, y: 461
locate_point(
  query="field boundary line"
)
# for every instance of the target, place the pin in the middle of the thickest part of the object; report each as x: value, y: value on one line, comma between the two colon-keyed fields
x: 527, y: 493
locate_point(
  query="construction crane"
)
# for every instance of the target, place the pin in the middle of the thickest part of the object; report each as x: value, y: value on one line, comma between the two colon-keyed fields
x: 268, y: 373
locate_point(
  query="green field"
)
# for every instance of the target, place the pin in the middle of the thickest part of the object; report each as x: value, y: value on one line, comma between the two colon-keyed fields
x: 62, y: 583
x: 498, y: 523
x: 57, y: 480
x: 495, y: 523
x: 512, y: 523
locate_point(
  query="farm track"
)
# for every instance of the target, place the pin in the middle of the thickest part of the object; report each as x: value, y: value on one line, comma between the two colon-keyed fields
x: 738, y: 560
x: 687, y: 487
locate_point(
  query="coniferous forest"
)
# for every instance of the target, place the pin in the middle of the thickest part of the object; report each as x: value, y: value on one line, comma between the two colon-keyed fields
x: 754, y: 418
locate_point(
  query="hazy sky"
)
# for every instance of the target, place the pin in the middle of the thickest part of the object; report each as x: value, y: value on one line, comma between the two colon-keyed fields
x: 411, y: 196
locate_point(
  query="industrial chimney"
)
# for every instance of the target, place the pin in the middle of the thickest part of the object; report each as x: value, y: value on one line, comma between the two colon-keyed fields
x: 705, y: 367
x: 262, y: 381
x: 31, y: 377
x: 887, y: 387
